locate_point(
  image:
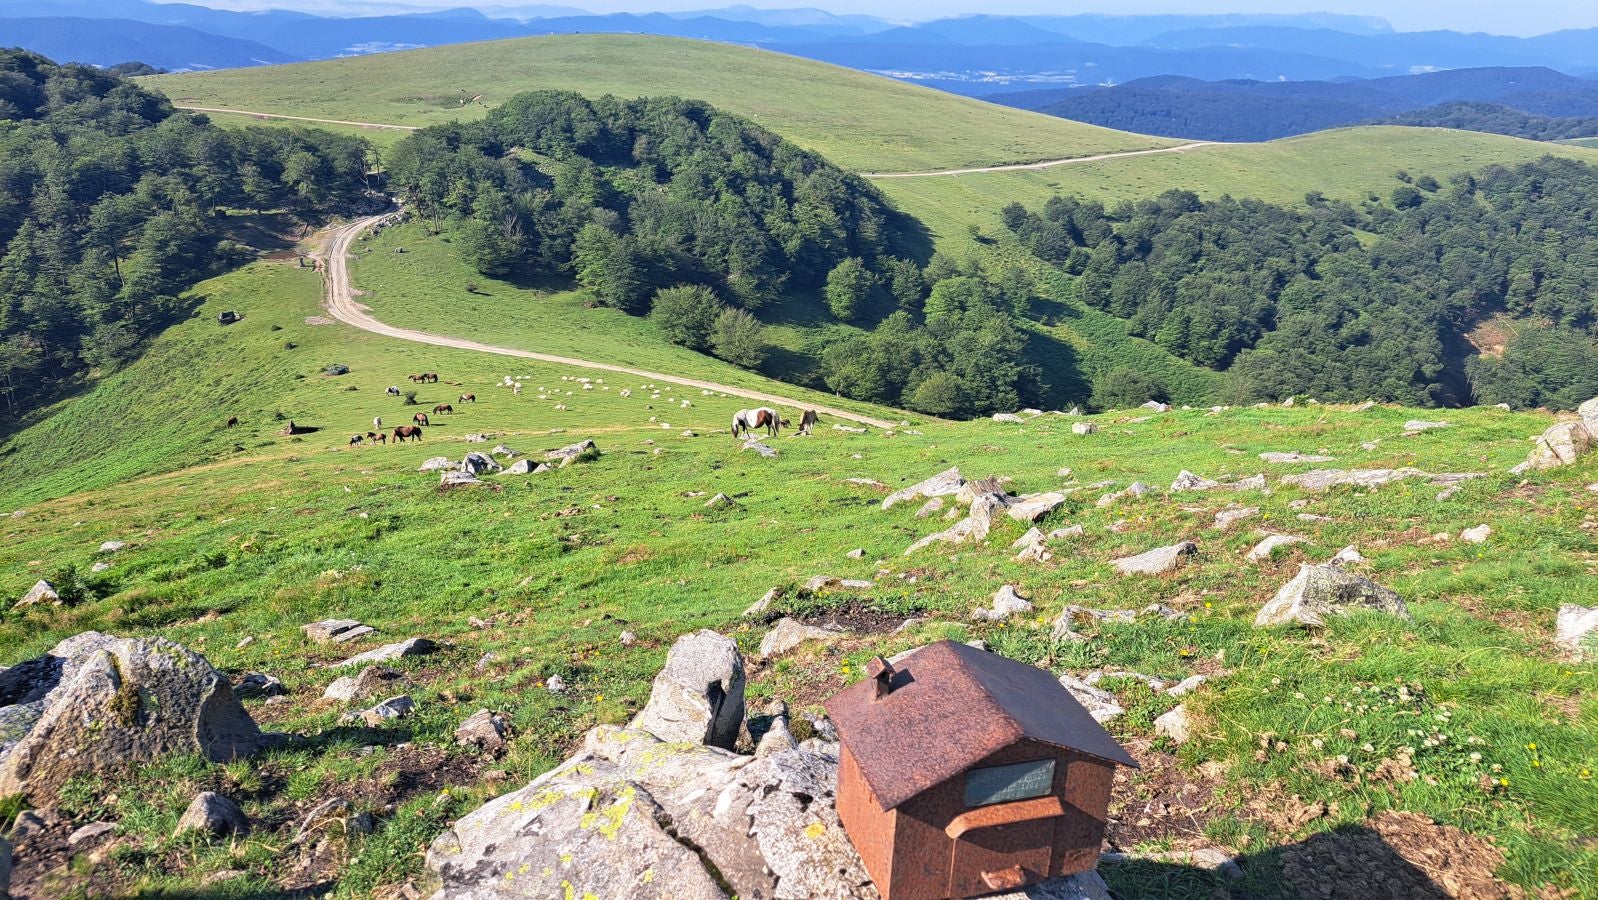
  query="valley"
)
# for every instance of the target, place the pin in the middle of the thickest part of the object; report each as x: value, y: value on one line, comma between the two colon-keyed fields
x: 1462, y: 713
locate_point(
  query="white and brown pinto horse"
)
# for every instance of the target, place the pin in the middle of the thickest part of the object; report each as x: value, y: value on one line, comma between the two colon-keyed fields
x: 745, y: 421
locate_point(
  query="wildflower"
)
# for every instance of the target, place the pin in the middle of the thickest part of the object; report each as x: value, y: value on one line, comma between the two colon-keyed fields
x: 1368, y: 748
x: 1317, y: 743
x: 1503, y: 782
x: 1298, y: 695
x: 1531, y: 746
x: 1475, y: 757
x: 1276, y: 681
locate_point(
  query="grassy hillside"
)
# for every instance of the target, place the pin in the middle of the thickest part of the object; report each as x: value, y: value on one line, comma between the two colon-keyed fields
x: 256, y: 541
x: 1348, y: 163
x: 857, y: 121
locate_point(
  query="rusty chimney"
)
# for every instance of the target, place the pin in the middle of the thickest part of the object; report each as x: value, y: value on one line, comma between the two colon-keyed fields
x: 881, y: 672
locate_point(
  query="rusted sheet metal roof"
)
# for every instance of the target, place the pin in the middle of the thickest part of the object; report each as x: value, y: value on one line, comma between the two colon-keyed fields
x: 950, y: 706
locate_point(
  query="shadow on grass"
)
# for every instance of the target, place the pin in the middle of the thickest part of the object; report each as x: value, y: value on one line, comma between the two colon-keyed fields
x: 1064, y: 385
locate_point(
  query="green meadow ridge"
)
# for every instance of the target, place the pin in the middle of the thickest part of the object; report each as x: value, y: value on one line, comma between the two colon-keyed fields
x: 1168, y: 561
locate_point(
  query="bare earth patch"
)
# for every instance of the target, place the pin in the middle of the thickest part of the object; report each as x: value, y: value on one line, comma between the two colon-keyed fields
x: 1397, y: 855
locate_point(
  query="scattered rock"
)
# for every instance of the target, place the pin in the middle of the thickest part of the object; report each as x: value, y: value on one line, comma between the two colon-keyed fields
x: 1186, y: 686
x: 1067, y: 531
x: 1157, y: 406
x: 849, y: 428
x: 627, y: 638
x: 99, y: 705
x: 555, y: 684
x: 526, y: 467
x: 1319, y: 591
x: 790, y: 633
x: 760, y: 610
x: 1135, y: 489
x: 370, y: 682
x: 1560, y: 445
x: 393, y: 708
x: 479, y: 463
x: 1084, y: 428
x: 212, y: 813
x: 1477, y: 535
x: 1576, y: 628
x: 720, y: 501
x: 1032, y: 507
x: 930, y: 507
x: 502, y: 450
x: 41, y: 592
x: 760, y: 448
x: 868, y: 483
x: 435, y: 464
x: 1100, y: 704
x: 100, y: 566
x: 415, y: 646
x: 1174, y: 724
x: 336, y: 631
x: 1187, y: 481
x: 1325, y: 479
x: 1006, y: 603
x: 1263, y: 550
x: 1349, y: 554
x: 856, y: 553
x: 92, y: 833
x: 1423, y: 425
x: 819, y: 583
x: 485, y: 730
x: 582, y: 451
x: 943, y: 484
x: 1226, y: 518
x: 258, y: 684
x: 335, y: 816
x: 1158, y: 561
x: 457, y: 479
x: 698, y: 696
x: 1294, y: 457
x: 1007, y: 417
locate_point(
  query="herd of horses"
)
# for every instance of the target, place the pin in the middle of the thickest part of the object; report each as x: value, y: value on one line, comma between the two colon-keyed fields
x: 745, y: 422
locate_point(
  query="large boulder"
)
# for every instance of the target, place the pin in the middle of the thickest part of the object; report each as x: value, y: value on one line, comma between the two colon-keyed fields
x: 1033, y: 507
x: 1589, y: 414
x: 582, y: 451
x: 41, y: 592
x: 1560, y: 445
x: 212, y: 813
x: 1322, y: 590
x: 630, y: 816
x: 788, y: 634
x: 476, y: 463
x: 943, y: 484
x: 107, y: 705
x: 415, y: 646
x: 699, y: 696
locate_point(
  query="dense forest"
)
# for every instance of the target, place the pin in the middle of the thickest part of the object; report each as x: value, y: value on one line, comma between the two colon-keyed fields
x: 1495, y: 118
x: 112, y: 203
x: 703, y: 220
x: 1347, y: 303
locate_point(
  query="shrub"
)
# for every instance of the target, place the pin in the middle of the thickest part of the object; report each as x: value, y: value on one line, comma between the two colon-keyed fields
x: 739, y: 338
x: 686, y: 314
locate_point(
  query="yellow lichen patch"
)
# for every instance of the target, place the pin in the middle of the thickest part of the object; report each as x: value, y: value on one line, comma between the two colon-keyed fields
x: 815, y: 830
x: 608, y: 820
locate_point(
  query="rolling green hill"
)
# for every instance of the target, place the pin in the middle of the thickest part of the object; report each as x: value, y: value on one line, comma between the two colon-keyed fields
x: 857, y: 121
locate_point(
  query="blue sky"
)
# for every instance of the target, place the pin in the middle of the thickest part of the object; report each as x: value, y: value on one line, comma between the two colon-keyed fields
x: 1496, y: 16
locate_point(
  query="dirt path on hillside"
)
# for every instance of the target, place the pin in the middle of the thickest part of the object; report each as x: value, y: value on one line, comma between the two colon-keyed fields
x: 246, y: 112
x: 1024, y: 167
x: 341, y: 304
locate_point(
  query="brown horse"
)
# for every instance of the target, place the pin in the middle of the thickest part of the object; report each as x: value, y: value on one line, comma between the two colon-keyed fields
x: 443, y: 408
x: 377, y: 437
x: 421, y: 419
x: 415, y: 378
x: 430, y: 376
x: 467, y: 398
x: 401, y: 432
x: 807, y: 421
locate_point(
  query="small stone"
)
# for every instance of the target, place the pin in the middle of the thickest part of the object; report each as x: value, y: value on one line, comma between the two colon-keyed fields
x: 1084, y: 428
x: 371, y: 681
x: 258, y: 684
x: 1319, y: 591
x: 761, y: 608
x: 393, y: 708
x: 1187, y: 481
x: 720, y: 501
x: 1477, y: 535
x: 338, y: 631
x: 90, y: 834
x: 789, y: 633
x: 212, y: 813
x: 1423, y: 425
x: 1158, y: 561
x: 856, y: 553
x: 409, y: 647
x: 1186, y: 686
x: 1226, y: 518
x: 1006, y: 603
x: 1100, y: 704
x: 628, y: 639
x: 113, y: 546
x: 1349, y: 554
x: 485, y: 730
x: 41, y: 592
x: 1174, y: 724
x: 1576, y: 629
x: 1263, y: 550
x: 555, y: 684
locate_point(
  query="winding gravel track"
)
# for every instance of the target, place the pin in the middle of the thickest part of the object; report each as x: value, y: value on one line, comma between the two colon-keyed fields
x: 262, y: 115
x: 1049, y: 164
x: 341, y: 304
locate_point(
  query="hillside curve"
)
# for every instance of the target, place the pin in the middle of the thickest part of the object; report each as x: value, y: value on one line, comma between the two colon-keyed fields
x: 341, y: 304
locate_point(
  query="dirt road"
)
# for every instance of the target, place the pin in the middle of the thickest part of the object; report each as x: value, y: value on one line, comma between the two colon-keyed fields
x: 341, y: 305
x: 262, y: 115
x: 1023, y: 167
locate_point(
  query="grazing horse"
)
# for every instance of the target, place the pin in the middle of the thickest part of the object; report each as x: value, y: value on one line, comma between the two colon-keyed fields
x: 415, y: 378
x: 356, y: 439
x: 430, y: 376
x: 807, y: 421
x: 401, y: 432
x: 420, y: 419
x: 377, y: 422
x: 377, y: 437
x: 467, y: 398
x: 232, y: 421
x: 393, y: 391
x: 747, y: 420
x: 443, y: 408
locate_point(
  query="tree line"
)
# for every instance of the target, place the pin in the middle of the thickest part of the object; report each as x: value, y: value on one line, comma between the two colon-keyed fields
x: 112, y: 203
x: 704, y: 221
x: 1349, y: 302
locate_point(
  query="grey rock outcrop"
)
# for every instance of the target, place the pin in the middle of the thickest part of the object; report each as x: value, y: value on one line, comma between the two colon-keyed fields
x: 1226, y: 518
x: 1158, y: 561
x: 434, y: 464
x: 526, y: 467
x: 1326, y: 479
x: 944, y: 484
x: 476, y: 463
x: 1174, y: 724
x: 1131, y: 491
x: 1323, y: 590
x: 485, y: 729
x: 1263, y: 550
x: 788, y: 634
x: 457, y: 479
x: 41, y: 592
x: 1032, y: 507
x: 370, y: 682
x: 415, y: 646
x: 335, y: 631
x: 582, y: 451
x: 212, y: 813
x: 1084, y: 428
x: 106, y: 704
x: 1006, y: 603
x: 698, y: 696
x: 1294, y: 457
x: 1560, y: 445
x: 632, y: 817
x: 1187, y: 481
x: 1100, y: 703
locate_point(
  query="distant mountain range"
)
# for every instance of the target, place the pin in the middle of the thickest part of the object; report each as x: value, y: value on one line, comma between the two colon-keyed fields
x: 1528, y: 102
x: 1226, y: 77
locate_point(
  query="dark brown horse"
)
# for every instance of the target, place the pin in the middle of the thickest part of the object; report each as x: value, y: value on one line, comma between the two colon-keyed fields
x: 415, y: 378
x: 430, y: 376
x: 443, y: 408
x: 232, y: 421
x: 377, y: 437
x: 421, y: 419
x: 467, y: 398
x: 401, y: 432
x: 807, y: 421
